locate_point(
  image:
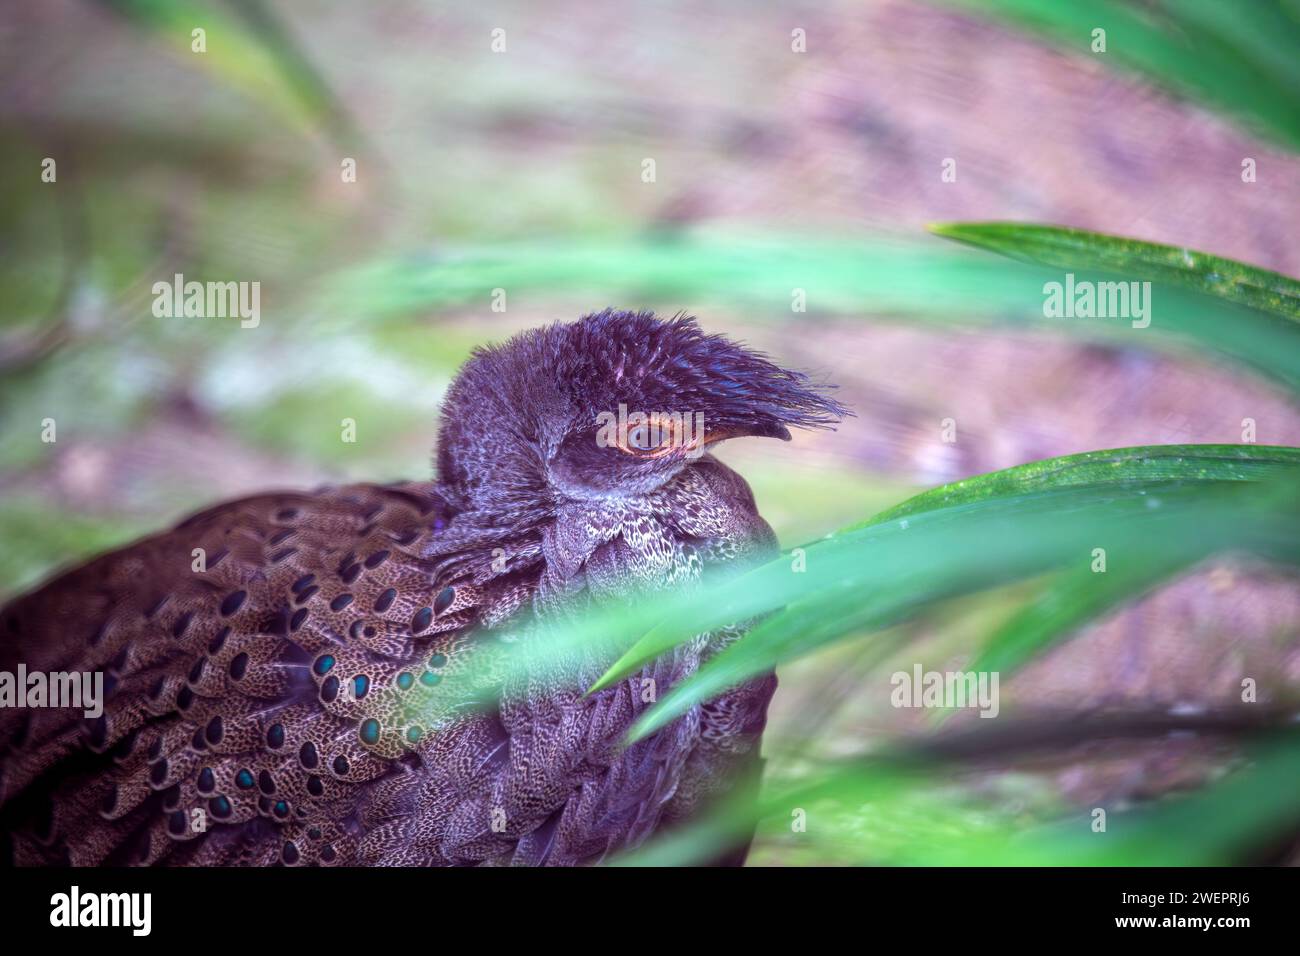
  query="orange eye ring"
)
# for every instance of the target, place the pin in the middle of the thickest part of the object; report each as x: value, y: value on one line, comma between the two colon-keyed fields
x: 655, y: 438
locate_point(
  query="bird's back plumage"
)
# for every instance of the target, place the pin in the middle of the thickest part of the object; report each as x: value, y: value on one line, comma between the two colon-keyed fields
x: 281, y: 692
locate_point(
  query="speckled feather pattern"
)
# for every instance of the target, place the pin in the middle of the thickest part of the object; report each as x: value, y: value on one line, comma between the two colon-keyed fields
x: 305, y: 691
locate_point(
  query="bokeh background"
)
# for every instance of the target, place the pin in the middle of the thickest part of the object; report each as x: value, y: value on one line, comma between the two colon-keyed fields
x: 522, y: 170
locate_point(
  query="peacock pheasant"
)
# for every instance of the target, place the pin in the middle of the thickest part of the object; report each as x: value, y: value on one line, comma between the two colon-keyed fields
x: 282, y: 673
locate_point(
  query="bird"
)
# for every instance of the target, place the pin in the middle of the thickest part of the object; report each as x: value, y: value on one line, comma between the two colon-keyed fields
x: 288, y: 676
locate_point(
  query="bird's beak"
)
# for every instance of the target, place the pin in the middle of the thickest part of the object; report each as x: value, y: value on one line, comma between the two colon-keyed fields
x: 773, y: 430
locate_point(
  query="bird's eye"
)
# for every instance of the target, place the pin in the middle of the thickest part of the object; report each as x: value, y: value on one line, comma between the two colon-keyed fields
x: 652, y: 438
x: 640, y: 439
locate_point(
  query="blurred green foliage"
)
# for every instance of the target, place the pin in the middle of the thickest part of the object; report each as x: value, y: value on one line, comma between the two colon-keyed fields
x: 1239, y: 60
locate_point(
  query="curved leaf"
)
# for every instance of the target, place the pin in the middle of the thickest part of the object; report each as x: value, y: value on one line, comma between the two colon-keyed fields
x: 1142, y: 466
x: 1079, y: 249
x: 1241, y: 63
x: 984, y: 532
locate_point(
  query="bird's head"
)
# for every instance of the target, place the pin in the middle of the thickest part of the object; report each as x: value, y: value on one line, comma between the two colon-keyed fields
x: 613, y: 405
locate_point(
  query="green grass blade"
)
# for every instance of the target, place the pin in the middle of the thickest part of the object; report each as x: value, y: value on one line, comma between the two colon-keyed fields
x: 1139, y: 467
x: 891, y: 810
x: 1125, y: 469
x: 978, y: 534
x: 1079, y: 249
x: 265, y: 62
x: 1251, y: 315
x: 1240, y: 63
x: 846, y: 274
x: 920, y: 281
